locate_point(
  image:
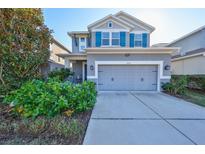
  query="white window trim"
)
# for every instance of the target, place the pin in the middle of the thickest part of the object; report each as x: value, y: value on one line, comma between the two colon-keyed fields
x: 110, y: 39
x: 94, y: 28
x: 160, y: 65
x: 79, y: 45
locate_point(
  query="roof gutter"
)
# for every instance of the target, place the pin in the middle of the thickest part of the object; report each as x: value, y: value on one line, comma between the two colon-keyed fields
x: 188, y: 56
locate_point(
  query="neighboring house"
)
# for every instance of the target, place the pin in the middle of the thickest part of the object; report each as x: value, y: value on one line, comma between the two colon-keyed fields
x: 115, y: 53
x: 55, y: 61
x: 191, y: 58
x: 160, y: 45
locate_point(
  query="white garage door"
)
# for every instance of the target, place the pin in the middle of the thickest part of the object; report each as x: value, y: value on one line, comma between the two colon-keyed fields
x: 127, y: 77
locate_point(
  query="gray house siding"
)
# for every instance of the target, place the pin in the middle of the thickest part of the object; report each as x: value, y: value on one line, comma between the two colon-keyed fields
x: 114, y: 26
x: 192, y: 42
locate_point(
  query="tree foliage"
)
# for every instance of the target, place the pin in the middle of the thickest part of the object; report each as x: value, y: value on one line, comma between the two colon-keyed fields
x: 24, y: 46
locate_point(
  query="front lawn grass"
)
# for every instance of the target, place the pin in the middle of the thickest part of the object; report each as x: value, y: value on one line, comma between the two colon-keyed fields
x: 60, y: 129
x: 195, y: 96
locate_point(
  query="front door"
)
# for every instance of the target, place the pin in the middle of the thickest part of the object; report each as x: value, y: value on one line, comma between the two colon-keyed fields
x: 84, y: 71
x: 85, y: 75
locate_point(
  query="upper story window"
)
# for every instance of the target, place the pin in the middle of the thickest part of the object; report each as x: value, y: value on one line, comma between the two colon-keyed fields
x: 82, y: 43
x: 115, y: 38
x: 105, y: 38
x: 110, y: 38
x: 82, y: 39
x: 138, y: 40
x: 109, y: 24
x: 59, y: 59
x: 50, y: 47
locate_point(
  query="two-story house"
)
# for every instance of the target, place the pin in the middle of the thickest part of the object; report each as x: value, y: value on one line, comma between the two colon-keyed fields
x: 55, y: 61
x: 191, y: 58
x: 115, y: 53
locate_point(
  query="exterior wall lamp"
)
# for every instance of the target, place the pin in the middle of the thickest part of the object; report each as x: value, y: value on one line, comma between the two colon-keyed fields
x: 167, y: 67
x: 91, y: 67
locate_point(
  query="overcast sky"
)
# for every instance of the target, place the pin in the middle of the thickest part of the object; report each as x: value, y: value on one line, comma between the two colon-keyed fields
x: 169, y: 23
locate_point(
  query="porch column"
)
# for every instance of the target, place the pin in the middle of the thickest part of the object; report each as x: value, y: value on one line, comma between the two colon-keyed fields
x: 67, y: 63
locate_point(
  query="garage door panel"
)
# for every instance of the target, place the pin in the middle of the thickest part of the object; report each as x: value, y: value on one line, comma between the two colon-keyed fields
x: 127, y: 77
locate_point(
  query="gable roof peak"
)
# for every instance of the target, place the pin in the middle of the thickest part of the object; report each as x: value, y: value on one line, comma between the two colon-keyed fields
x: 151, y: 28
x: 112, y: 17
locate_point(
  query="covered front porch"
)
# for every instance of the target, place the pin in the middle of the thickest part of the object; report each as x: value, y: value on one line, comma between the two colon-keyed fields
x: 77, y: 63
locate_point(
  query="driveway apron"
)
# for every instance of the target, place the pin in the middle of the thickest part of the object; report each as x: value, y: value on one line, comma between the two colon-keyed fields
x: 144, y: 118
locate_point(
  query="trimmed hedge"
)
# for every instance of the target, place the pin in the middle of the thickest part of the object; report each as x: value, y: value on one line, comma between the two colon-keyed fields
x: 52, y: 97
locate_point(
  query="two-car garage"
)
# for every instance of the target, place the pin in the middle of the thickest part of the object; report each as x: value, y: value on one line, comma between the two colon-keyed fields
x: 127, y: 77
x: 129, y: 69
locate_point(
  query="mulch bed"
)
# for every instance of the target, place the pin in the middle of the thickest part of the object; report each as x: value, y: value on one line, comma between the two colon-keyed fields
x: 57, y: 130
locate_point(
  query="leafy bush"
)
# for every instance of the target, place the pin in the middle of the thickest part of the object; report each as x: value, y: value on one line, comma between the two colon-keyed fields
x: 51, y: 97
x: 61, y: 74
x: 177, y: 85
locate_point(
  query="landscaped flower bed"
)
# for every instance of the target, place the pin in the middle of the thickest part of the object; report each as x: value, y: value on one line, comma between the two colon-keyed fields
x: 188, y: 87
x: 60, y: 129
x: 47, y: 112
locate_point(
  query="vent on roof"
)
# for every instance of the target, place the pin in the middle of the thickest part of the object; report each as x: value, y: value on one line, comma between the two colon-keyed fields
x: 109, y: 24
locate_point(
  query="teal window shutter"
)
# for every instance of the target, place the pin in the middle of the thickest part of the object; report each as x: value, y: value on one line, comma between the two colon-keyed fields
x: 144, y: 40
x: 122, y: 39
x: 132, y: 37
x: 98, y: 39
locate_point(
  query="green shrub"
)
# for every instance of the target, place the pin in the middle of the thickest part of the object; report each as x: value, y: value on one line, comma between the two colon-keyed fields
x: 60, y: 74
x: 49, y: 98
x: 193, y: 81
x: 196, y: 82
x: 177, y: 85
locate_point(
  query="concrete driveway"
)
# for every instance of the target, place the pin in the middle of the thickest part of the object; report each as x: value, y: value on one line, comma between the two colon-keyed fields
x: 145, y: 118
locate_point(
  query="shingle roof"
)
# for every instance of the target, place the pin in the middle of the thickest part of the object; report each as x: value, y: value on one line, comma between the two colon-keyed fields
x: 187, y: 35
x: 59, y: 44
